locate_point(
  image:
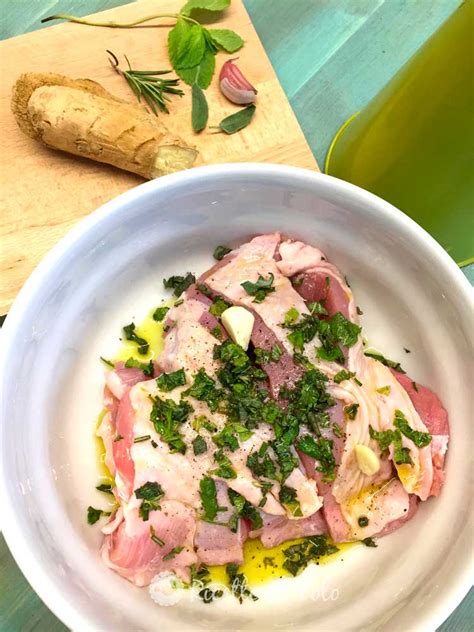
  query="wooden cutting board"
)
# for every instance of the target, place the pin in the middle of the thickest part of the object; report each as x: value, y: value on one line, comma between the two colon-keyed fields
x: 43, y: 193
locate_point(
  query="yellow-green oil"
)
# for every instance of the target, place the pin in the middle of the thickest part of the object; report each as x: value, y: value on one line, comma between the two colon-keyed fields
x: 260, y: 564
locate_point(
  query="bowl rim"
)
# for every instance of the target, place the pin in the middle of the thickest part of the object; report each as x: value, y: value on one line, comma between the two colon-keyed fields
x: 46, y: 588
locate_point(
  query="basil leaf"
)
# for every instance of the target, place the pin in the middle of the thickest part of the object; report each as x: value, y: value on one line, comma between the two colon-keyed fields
x: 204, y: 5
x: 226, y: 39
x: 235, y: 122
x: 169, y: 381
x: 200, y: 109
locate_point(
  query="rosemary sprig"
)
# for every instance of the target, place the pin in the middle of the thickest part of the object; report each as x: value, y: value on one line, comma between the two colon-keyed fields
x: 148, y: 84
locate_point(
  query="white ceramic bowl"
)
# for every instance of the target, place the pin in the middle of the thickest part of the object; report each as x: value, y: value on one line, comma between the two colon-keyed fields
x: 107, y: 270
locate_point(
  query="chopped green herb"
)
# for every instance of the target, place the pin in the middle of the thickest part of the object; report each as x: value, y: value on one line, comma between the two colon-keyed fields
x: 336, y: 428
x: 141, y: 439
x: 105, y: 487
x: 155, y: 538
x: 129, y: 331
x: 298, y: 556
x: 218, y: 306
x: 359, y: 311
x: 385, y: 438
x: 238, y: 583
x: 173, y: 553
x: 334, y: 331
x: 150, y: 493
x: 146, y: 367
x: 169, y: 381
x: 369, y: 542
x: 178, y: 303
x: 243, y: 509
x: 321, y: 450
x: 225, y: 469
x: 262, y: 356
x: 351, y: 411
x: 216, y: 332
x: 383, y: 390
x: 261, y: 465
x: 208, y: 493
x: 415, y: 386
x: 291, y: 316
x: 269, y: 561
x: 94, y: 514
x: 317, y: 307
x: 420, y: 439
x: 160, y: 313
x: 390, y: 363
x: 203, y: 422
x: 220, y: 252
x: 363, y: 521
x: 358, y: 382
x: 406, y: 350
x: 108, y: 362
x: 179, y: 284
x: 204, y: 389
x: 288, y: 499
x: 166, y: 416
x: 204, y: 289
x: 118, y: 438
x: 199, y: 445
x: 230, y: 436
x: 343, y: 375
x: 260, y: 289
x: 327, y: 281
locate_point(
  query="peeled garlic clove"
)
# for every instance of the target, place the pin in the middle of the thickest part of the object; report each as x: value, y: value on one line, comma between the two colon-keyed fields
x: 367, y: 460
x: 235, y: 86
x: 238, y: 322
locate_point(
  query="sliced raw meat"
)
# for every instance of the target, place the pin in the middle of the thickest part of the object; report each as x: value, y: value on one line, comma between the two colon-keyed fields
x: 278, y: 529
x: 125, y: 469
x: 130, y: 550
x: 121, y: 379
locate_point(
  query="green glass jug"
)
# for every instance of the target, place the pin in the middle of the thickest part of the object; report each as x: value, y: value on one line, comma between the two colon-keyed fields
x: 413, y: 145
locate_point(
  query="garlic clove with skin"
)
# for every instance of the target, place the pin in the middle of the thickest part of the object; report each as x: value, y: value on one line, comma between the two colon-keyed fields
x: 234, y: 86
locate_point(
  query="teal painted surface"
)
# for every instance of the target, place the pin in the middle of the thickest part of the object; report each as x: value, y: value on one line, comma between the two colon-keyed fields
x: 332, y: 57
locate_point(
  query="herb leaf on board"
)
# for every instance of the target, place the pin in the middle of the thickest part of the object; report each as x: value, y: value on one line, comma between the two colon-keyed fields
x: 235, y: 122
x: 200, y: 109
x: 204, y: 5
x: 226, y: 39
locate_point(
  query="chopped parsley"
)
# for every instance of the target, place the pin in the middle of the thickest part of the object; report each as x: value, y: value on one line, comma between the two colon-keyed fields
x: 129, y: 331
x: 390, y: 363
x: 334, y: 331
x: 174, y: 551
x: 291, y: 317
x: 179, y: 284
x: 230, y: 436
x: 343, y: 375
x: 385, y: 438
x: 166, y: 416
x: 420, y: 439
x: 317, y: 307
x: 199, y: 445
x: 220, y: 252
x: 169, y: 381
x: 203, y: 422
x: 146, y: 367
x: 298, y: 556
x: 94, y: 514
x: 351, y: 411
x: 160, y: 313
x: 260, y: 289
x: 150, y: 493
x: 238, y: 583
x: 261, y: 464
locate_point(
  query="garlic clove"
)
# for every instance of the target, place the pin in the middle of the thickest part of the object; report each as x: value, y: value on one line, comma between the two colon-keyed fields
x: 238, y: 323
x: 367, y: 460
x: 234, y: 86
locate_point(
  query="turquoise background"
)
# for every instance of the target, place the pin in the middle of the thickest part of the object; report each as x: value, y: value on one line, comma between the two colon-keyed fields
x: 332, y: 57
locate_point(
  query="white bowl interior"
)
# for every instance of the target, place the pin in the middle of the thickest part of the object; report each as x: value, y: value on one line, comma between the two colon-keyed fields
x: 109, y: 271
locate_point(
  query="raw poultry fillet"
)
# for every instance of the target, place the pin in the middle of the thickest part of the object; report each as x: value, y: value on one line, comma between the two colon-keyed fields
x: 298, y: 435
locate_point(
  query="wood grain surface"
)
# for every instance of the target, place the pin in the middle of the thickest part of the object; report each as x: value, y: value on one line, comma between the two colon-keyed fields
x: 44, y: 193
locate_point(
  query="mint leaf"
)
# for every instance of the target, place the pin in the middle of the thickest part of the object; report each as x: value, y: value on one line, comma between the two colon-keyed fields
x: 205, y: 5
x: 200, y: 74
x: 226, y: 39
x: 200, y: 109
x: 188, y: 45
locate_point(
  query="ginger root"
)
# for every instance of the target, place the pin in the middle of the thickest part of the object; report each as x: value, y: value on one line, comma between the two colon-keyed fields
x: 80, y: 117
